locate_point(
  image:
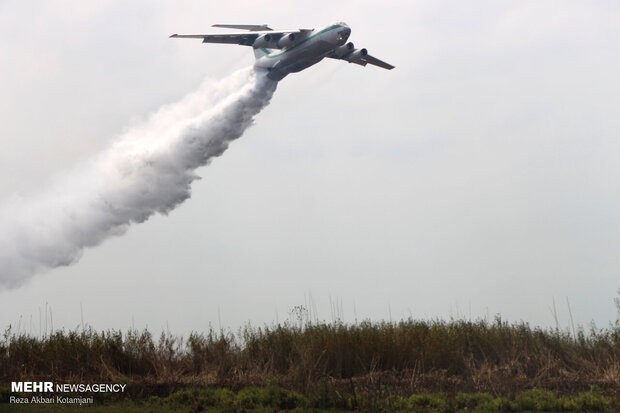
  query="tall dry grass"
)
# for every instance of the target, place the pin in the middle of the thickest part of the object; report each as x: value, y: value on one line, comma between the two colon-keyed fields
x: 366, y: 358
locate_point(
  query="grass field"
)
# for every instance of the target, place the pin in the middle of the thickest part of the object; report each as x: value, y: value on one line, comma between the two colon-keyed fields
x: 412, y: 365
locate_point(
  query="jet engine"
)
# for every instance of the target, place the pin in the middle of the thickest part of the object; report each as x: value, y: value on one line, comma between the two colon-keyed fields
x: 266, y: 40
x: 357, y: 56
x: 344, y: 50
x: 286, y: 41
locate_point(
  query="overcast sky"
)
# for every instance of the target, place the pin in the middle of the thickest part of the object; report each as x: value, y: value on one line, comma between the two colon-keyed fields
x: 480, y: 176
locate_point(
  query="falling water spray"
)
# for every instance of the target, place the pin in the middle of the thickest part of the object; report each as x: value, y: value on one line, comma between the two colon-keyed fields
x: 148, y: 169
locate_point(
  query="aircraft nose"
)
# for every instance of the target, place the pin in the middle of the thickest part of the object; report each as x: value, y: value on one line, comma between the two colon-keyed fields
x: 343, y: 34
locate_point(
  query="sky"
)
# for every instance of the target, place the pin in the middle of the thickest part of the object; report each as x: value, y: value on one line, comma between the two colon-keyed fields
x: 479, y: 177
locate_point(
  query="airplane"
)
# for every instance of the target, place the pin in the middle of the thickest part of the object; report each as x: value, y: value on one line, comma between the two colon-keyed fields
x: 288, y: 51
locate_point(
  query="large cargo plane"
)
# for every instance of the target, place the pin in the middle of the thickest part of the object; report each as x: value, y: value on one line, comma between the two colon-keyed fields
x: 287, y: 51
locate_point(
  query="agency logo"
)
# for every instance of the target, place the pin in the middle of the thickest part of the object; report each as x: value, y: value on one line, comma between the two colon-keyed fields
x: 32, y: 387
x: 48, y: 387
x: 51, y: 387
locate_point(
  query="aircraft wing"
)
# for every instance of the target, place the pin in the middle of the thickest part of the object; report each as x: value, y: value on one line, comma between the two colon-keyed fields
x: 245, y: 39
x: 374, y: 61
x: 242, y: 38
x: 362, y: 58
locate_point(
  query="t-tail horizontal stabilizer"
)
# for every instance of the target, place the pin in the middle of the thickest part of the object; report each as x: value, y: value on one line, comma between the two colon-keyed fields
x: 250, y: 27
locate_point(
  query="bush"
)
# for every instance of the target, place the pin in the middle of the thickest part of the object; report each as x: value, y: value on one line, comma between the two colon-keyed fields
x: 437, y: 401
x: 592, y: 402
x: 473, y: 401
x: 537, y: 400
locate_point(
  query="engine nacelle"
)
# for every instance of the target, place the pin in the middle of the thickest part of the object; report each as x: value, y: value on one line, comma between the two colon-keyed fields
x: 287, y: 40
x: 357, y: 56
x: 344, y: 50
x: 266, y: 40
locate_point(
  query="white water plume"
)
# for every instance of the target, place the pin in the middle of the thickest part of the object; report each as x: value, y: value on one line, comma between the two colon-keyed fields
x: 148, y: 169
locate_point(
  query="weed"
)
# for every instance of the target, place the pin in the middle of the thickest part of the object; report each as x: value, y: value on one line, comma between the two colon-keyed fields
x: 343, y: 365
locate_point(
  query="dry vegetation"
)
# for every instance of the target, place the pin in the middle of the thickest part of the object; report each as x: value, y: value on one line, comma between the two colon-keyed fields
x: 366, y: 360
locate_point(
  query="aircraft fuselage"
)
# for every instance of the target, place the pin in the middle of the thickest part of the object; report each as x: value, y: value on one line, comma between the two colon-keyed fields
x: 304, y: 53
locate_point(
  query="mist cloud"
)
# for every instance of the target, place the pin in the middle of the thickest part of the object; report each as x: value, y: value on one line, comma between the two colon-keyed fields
x: 148, y: 169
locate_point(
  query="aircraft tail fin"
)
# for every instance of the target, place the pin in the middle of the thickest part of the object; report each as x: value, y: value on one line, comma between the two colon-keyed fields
x: 260, y: 52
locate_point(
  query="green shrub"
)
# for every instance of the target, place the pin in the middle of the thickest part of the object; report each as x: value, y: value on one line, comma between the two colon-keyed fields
x: 251, y: 398
x: 286, y: 399
x: 436, y: 401
x: 592, y: 402
x: 473, y: 401
x: 501, y: 404
x: 184, y: 397
x: 395, y: 403
x: 537, y: 400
